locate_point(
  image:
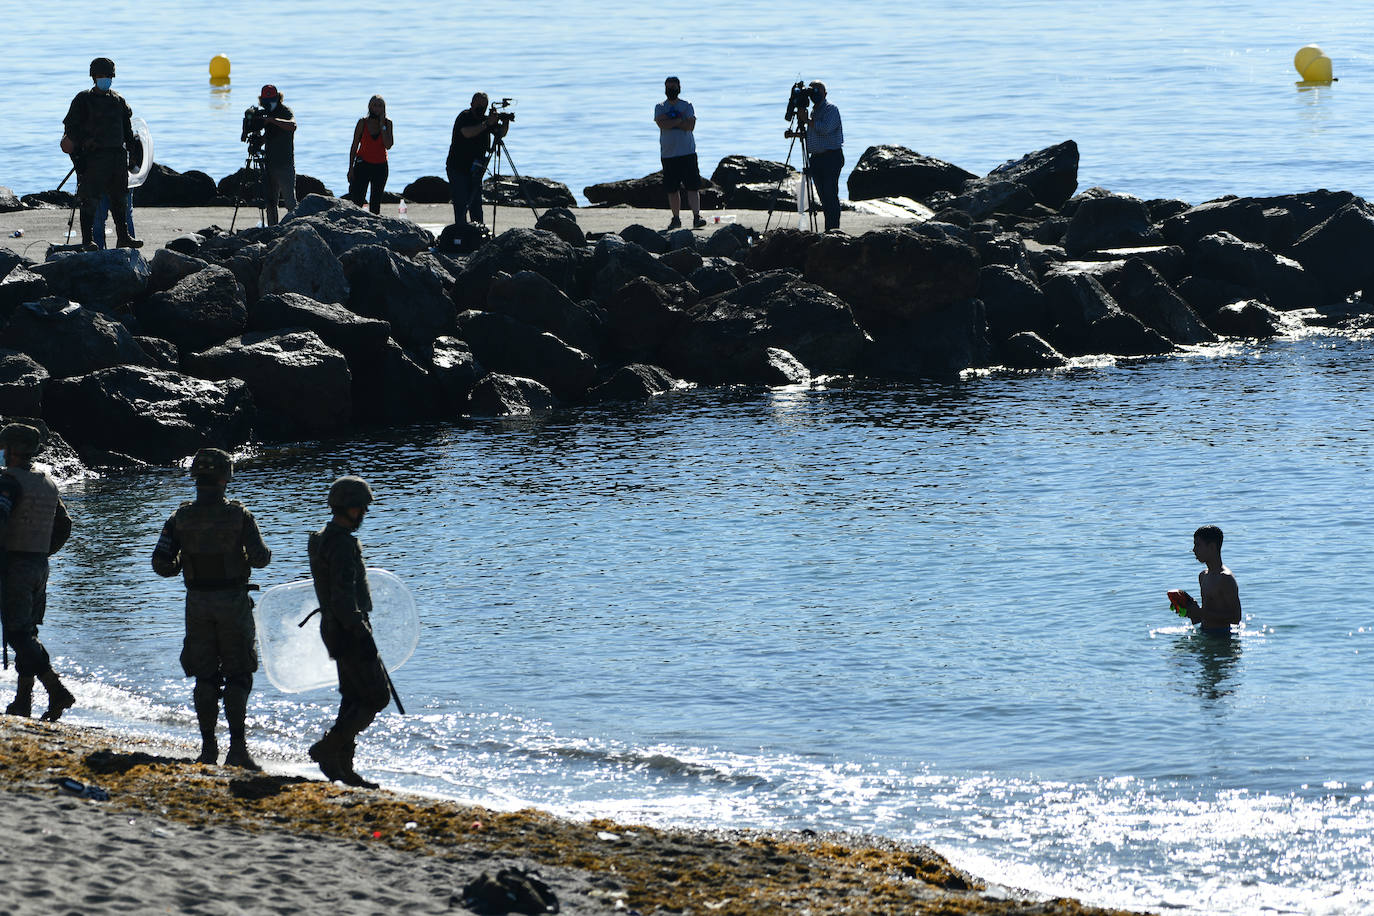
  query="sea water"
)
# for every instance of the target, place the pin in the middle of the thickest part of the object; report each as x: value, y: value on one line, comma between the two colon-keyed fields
x: 934, y: 611
x: 1176, y: 98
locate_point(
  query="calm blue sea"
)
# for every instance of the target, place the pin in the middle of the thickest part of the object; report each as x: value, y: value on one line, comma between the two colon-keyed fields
x: 934, y: 612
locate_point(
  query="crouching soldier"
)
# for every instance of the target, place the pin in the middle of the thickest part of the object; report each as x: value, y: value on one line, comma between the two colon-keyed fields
x: 213, y: 542
x: 336, y: 565
x: 33, y: 525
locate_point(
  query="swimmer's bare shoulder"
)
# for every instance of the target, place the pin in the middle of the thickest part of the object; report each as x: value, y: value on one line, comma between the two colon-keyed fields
x: 1220, y: 598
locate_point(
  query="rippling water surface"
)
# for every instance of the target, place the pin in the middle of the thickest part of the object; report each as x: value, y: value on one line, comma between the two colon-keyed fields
x: 932, y: 612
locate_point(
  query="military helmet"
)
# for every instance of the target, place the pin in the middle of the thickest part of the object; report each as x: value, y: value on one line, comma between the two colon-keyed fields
x: 212, y: 462
x: 102, y: 66
x: 348, y: 492
x: 21, y: 438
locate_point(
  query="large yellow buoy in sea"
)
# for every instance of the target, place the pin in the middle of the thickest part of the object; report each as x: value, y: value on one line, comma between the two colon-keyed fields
x: 219, y: 67
x: 1313, y: 65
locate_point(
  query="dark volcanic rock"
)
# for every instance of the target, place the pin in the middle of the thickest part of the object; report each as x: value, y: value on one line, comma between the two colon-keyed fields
x: 1242, y: 217
x: 1280, y: 281
x: 511, y: 252
x: 1012, y: 302
x: 617, y: 262
x: 1112, y: 221
x: 152, y: 414
x: 302, y: 263
x: 294, y: 376
x: 198, y: 312
x: 393, y: 387
x: 101, y: 279
x: 49, y: 200
x: 781, y: 368
x: 1073, y: 303
x: 19, y: 286
x: 502, y: 344
x: 643, y: 314
x: 162, y: 354
x: 1050, y: 174
x: 9, y: 201
x: 169, y: 267
x: 499, y: 395
x: 935, y: 344
x: 22, y: 381
x: 781, y: 249
x: 635, y: 382
x: 412, y: 298
x: 711, y: 279
x: 69, y: 340
x: 737, y: 170
x: 1142, y: 292
x: 647, y: 193
x: 1246, y: 319
x: 167, y: 187
x: 356, y: 337
x: 1337, y: 252
x: 1028, y: 350
x: 428, y: 189
x: 455, y: 371
x: 892, y: 275
x: 984, y: 198
x: 530, y: 298
x: 651, y: 240
x: 565, y: 227
x: 895, y: 171
x: 530, y: 191
x: 344, y: 226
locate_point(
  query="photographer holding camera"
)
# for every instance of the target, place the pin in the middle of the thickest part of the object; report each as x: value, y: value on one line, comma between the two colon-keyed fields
x: 473, y: 133
x: 677, y: 146
x: 100, y: 139
x: 270, y: 130
x: 824, y: 141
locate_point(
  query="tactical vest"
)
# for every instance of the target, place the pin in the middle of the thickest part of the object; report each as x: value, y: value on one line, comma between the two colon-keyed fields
x: 211, y: 540
x: 31, y: 523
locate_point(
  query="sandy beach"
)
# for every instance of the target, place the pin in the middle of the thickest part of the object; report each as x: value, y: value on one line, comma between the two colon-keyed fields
x: 180, y: 837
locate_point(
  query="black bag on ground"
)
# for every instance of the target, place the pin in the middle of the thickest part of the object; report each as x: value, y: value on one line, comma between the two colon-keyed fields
x: 513, y: 890
x: 462, y: 238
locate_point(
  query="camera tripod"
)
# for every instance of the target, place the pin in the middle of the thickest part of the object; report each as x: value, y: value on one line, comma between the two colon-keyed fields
x: 256, y: 170
x: 806, y: 191
x: 493, y: 162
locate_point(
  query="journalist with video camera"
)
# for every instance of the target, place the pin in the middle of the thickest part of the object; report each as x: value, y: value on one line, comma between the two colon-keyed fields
x: 823, y: 134
x: 100, y: 139
x: 269, y: 129
x: 474, y: 131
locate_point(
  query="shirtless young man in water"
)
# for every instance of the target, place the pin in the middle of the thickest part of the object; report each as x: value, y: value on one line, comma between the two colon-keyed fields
x: 1220, y: 596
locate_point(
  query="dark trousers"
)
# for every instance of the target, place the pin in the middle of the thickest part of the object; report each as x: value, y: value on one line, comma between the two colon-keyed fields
x: 103, y: 173
x: 466, y: 185
x: 367, y: 174
x: 825, y: 172
x: 278, y: 182
x: 25, y: 578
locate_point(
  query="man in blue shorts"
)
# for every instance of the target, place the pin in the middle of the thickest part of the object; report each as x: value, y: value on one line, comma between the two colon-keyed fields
x: 677, y: 120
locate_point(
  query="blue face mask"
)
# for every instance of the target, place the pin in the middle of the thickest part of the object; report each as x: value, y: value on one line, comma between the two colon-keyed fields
x: 103, y: 83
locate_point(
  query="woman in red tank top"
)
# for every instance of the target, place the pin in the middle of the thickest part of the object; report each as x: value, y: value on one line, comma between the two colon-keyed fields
x: 372, y: 137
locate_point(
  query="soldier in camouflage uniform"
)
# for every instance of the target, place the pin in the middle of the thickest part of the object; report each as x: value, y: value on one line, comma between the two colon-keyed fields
x: 212, y: 542
x: 33, y: 525
x: 336, y: 564
x: 101, y: 141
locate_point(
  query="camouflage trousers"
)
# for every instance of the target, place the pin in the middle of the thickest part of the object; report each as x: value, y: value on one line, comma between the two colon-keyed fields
x: 23, y: 602
x: 219, y: 634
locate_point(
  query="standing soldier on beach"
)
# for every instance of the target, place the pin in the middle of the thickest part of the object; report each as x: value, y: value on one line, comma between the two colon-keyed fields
x: 212, y: 542
x: 33, y: 525
x: 677, y: 147
x: 336, y: 565
x: 100, y: 139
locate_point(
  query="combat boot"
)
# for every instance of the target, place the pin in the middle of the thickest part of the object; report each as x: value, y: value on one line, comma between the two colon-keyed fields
x: 238, y: 756
x: 236, y: 711
x: 127, y: 241
x: 206, y: 698
x: 326, y: 753
x: 60, y: 699
x: 23, y: 697
x: 350, y: 776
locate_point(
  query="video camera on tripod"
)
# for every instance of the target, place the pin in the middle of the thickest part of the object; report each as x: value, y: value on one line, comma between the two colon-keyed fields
x: 254, y: 131
x: 799, y: 101
x: 499, y: 110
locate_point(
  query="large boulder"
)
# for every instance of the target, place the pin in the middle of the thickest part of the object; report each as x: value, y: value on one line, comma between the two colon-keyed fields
x: 1074, y: 301
x: 393, y: 387
x: 68, y: 340
x: 1247, y: 318
x: 1012, y: 302
x: 9, y: 201
x: 617, y: 262
x: 19, y: 286
x: 1280, y: 281
x: 529, y: 191
x: 939, y: 343
x: 1242, y: 217
x: 511, y: 252
x: 301, y: 386
x: 170, y: 267
x: 106, y: 279
x: 499, y: 395
x: 153, y: 414
x: 646, y: 193
x: 198, y: 312
x: 895, y: 171
x: 22, y: 381
x: 892, y: 275
x: 1050, y: 174
x: 737, y: 170
x: 531, y: 298
x: 410, y: 297
x: 1028, y: 350
x: 344, y: 226
x: 635, y: 382
x: 165, y: 187
x: 642, y: 315
x: 987, y: 197
x: 356, y: 337
x: 1141, y: 291
x: 455, y: 371
x: 245, y: 187
x: 1337, y: 252
x: 428, y: 189
x: 303, y: 263
x: 1110, y: 221
x: 502, y: 344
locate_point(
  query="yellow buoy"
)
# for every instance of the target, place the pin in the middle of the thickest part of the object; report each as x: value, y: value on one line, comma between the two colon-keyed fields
x: 1313, y: 65
x: 219, y: 67
x: 1306, y: 54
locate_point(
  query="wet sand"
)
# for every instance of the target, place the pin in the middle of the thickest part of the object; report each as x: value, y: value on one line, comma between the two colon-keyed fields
x: 176, y: 836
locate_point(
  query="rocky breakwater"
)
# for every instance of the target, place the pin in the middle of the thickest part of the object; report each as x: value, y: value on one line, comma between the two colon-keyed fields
x: 337, y: 318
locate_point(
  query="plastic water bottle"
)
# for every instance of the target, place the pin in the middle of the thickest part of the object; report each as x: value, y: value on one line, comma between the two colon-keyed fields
x: 403, y: 211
